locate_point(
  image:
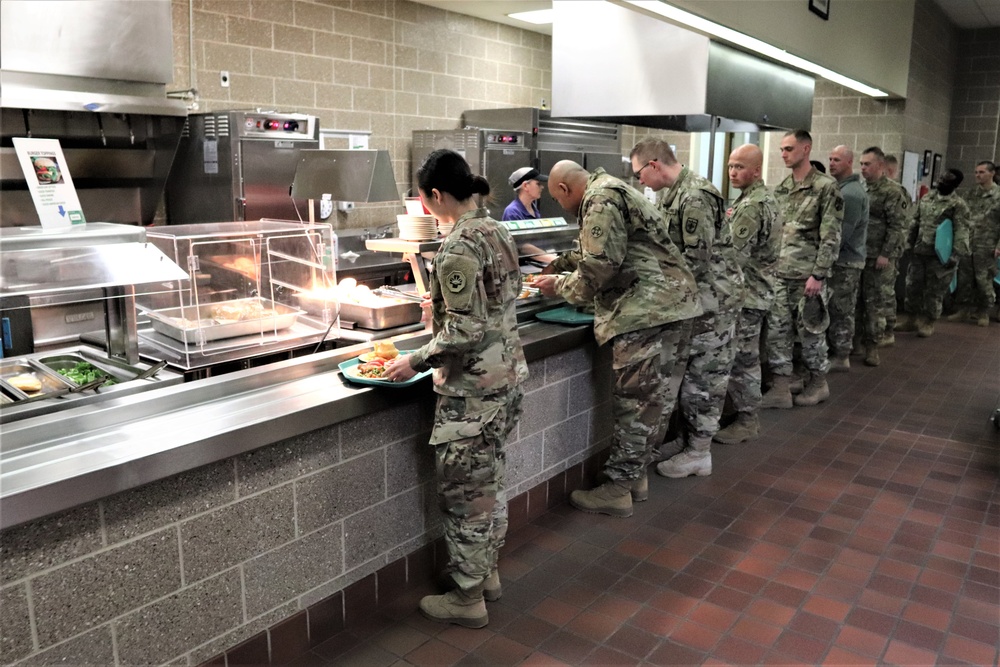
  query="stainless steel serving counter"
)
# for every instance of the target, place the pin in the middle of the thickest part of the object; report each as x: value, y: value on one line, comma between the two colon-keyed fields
x: 54, y: 462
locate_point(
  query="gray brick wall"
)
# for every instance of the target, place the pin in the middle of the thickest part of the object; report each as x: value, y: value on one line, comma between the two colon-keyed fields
x: 975, y: 111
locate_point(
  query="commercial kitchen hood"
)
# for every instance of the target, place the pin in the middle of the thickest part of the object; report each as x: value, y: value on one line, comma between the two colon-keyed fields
x: 619, y: 65
x: 345, y: 175
x: 93, y: 75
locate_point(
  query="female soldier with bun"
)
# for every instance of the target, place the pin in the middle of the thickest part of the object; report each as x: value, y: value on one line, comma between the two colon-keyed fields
x: 478, y: 370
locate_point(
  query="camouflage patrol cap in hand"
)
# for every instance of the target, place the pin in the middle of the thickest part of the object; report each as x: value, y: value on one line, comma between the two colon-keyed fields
x: 814, y: 314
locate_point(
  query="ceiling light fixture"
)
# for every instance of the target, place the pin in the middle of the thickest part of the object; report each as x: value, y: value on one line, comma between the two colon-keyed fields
x: 752, y: 43
x: 537, y: 17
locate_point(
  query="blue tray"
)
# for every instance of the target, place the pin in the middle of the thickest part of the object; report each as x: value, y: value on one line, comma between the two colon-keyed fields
x: 351, y: 375
x: 944, y: 239
x: 565, y: 315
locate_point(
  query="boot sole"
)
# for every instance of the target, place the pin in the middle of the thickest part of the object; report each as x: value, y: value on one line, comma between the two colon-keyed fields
x: 492, y: 595
x: 699, y: 473
x: 621, y: 514
x: 473, y: 623
x: 734, y: 441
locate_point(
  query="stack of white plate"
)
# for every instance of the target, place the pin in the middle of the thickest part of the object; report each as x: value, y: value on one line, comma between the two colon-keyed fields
x: 417, y: 227
x: 444, y: 228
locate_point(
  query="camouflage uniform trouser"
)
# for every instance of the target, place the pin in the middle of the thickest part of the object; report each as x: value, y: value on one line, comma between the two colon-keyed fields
x: 876, y: 311
x: 843, y: 286
x: 975, y: 280
x: 927, y: 281
x: 784, y: 324
x: 469, y: 436
x: 643, y: 363
x: 745, y: 378
x: 703, y: 390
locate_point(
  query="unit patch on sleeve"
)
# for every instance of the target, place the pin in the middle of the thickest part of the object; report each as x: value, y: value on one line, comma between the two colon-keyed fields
x: 456, y: 281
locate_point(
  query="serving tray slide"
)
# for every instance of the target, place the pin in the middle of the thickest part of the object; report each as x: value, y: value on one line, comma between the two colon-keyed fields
x: 349, y: 369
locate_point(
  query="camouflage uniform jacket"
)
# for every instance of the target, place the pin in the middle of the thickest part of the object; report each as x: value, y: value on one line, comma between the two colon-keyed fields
x: 626, y: 266
x: 756, y: 228
x: 855, y: 229
x: 984, y: 209
x: 932, y: 210
x: 475, y: 349
x: 888, y: 218
x: 693, y: 211
x: 812, y: 214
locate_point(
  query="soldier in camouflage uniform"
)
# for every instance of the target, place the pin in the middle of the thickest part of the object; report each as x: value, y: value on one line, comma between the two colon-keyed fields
x: 846, y: 276
x: 479, y: 368
x: 975, y: 294
x: 888, y: 221
x: 812, y: 213
x: 756, y: 228
x: 693, y: 211
x: 644, y: 297
x: 927, y: 278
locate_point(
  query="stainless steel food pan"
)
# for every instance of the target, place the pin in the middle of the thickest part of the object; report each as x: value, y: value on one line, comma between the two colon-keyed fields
x: 63, y: 362
x: 51, y: 381
x: 194, y: 326
x: 393, y: 313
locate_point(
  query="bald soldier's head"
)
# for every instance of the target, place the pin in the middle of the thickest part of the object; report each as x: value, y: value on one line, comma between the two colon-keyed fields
x: 841, y: 162
x: 745, y: 165
x: 567, y: 183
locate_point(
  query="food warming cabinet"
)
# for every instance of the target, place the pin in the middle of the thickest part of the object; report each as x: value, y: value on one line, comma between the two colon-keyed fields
x: 244, y: 293
x: 239, y: 165
x: 498, y: 141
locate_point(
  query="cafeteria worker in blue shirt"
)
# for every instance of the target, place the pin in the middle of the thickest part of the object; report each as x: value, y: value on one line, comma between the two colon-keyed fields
x: 527, y: 184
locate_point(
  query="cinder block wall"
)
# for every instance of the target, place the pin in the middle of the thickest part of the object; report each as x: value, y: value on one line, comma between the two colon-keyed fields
x: 180, y: 570
x: 975, y: 111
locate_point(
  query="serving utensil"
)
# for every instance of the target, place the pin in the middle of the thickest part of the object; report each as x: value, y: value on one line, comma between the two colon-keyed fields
x: 93, y: 384
x: 394, y: 293
x: 151, y: 371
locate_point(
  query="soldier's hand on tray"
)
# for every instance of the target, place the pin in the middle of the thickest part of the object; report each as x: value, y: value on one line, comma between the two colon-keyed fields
x: 546, y: 285
x: 399, y: 370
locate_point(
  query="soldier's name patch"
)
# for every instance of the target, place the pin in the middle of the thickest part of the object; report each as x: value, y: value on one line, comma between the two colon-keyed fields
x: 456, y: 281
x: 596, y: 232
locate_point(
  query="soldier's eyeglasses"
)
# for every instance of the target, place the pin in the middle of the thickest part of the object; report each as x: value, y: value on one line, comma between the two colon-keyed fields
x: 637, y: 174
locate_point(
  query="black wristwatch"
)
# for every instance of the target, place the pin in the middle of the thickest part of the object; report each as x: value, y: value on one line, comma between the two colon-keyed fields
x: 819, y: 278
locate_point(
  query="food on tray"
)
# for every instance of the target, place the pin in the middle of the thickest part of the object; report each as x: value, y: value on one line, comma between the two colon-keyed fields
x: 84, y: 373
x: 244, y: 265
x: 386, y: 350
x: 373, y: 370
x: 237, y: 311
x: 26, y: 382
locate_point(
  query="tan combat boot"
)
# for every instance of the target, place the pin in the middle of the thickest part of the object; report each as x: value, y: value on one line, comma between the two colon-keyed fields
x: 887, y: 339
x: 492, y: 590
x: 816, y: 391
x: 871, y: 355
x: 695, y: 460
x: 668, y: 449
x: 746, y: 427
x: 779, y: 395
x: 905, y: 323
x: 960, y: 315
x: 611, y: 498
x: 983, y: 318
x: 925, y: 327
x: 840, y: 364
x: 465, y: 608
x: 640, y: 488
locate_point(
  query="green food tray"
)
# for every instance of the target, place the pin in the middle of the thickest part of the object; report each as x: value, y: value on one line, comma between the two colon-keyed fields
x: 347, y: 370
x: 565, y: 315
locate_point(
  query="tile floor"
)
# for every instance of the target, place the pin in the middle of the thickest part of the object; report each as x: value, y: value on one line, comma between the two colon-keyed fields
x: 862, y: 531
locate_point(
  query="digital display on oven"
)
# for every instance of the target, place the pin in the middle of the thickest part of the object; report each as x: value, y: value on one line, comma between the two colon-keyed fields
x: 507, y: 139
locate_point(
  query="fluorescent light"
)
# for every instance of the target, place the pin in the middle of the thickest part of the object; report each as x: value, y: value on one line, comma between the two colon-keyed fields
x: 752, y: 43
x: 538, y: 17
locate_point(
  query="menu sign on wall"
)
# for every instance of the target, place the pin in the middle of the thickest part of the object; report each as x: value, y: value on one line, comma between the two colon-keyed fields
x: 49, y: 182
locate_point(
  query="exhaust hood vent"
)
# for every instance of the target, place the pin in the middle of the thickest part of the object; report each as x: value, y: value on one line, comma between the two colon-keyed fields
x: 618, y: 65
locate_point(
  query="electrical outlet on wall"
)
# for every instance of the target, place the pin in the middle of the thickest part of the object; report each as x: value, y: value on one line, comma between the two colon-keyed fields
x: 224, y: 78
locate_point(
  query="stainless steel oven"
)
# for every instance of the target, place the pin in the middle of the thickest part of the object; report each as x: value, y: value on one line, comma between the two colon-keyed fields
x: 239, y: 165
